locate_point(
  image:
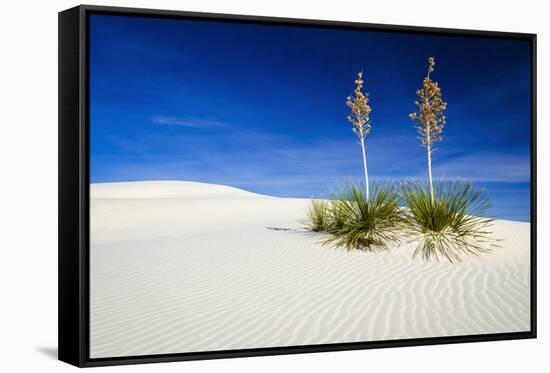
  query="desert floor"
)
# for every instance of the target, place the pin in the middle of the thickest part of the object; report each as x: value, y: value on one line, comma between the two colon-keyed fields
x: 186, y: 267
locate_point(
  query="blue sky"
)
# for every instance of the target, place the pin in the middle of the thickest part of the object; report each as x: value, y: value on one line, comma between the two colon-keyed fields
x: 262, y: 107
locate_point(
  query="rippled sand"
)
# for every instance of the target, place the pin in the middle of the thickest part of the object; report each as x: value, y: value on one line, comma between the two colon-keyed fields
x: 187, y: 267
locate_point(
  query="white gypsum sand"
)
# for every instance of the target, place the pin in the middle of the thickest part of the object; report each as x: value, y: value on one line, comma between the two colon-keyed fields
x: 185, y: 267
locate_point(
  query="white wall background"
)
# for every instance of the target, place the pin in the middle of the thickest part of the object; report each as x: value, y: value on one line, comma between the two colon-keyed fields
x: 28, y: 184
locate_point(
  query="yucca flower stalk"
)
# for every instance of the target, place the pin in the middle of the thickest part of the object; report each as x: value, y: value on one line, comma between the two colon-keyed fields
x: 359, y: 118
x: 429, y: 118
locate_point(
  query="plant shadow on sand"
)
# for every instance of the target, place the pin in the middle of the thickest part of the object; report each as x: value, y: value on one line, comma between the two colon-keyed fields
x: 285, y: 229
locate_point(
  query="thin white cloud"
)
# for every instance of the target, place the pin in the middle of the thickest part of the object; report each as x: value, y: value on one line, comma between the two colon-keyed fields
x: 252, y: 160
x: 188, y: 122
x: 487, y: 166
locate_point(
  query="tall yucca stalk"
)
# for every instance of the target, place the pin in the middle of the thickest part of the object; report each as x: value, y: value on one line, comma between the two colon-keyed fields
x: 429, y: 118
x: 359, y: 118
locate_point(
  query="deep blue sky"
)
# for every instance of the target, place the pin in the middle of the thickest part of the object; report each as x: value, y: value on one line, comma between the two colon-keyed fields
x: 262, y: 107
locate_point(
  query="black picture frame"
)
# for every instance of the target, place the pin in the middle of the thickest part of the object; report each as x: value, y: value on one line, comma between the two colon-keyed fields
x: 74, y: 189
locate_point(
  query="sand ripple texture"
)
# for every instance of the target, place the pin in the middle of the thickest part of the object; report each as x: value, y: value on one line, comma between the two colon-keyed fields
x: 186, y: 267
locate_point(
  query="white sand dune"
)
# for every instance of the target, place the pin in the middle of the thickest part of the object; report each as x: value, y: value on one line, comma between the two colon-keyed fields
x: 187, y: 267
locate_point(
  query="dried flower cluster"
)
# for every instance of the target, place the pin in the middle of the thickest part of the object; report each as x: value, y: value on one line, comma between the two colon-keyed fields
x: 430, y: 118
x: 359, y: 118
x: 360, y: 109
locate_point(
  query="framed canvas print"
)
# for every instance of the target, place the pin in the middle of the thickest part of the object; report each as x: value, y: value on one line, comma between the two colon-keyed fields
x: 238, y: 186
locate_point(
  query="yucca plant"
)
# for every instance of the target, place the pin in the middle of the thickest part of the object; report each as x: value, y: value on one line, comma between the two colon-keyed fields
x: 365, y: 224
x: 451, y: 225
x: 446, y: 217
x: 318, y: 215
x: 323, y: 215
x: 337, y: 216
